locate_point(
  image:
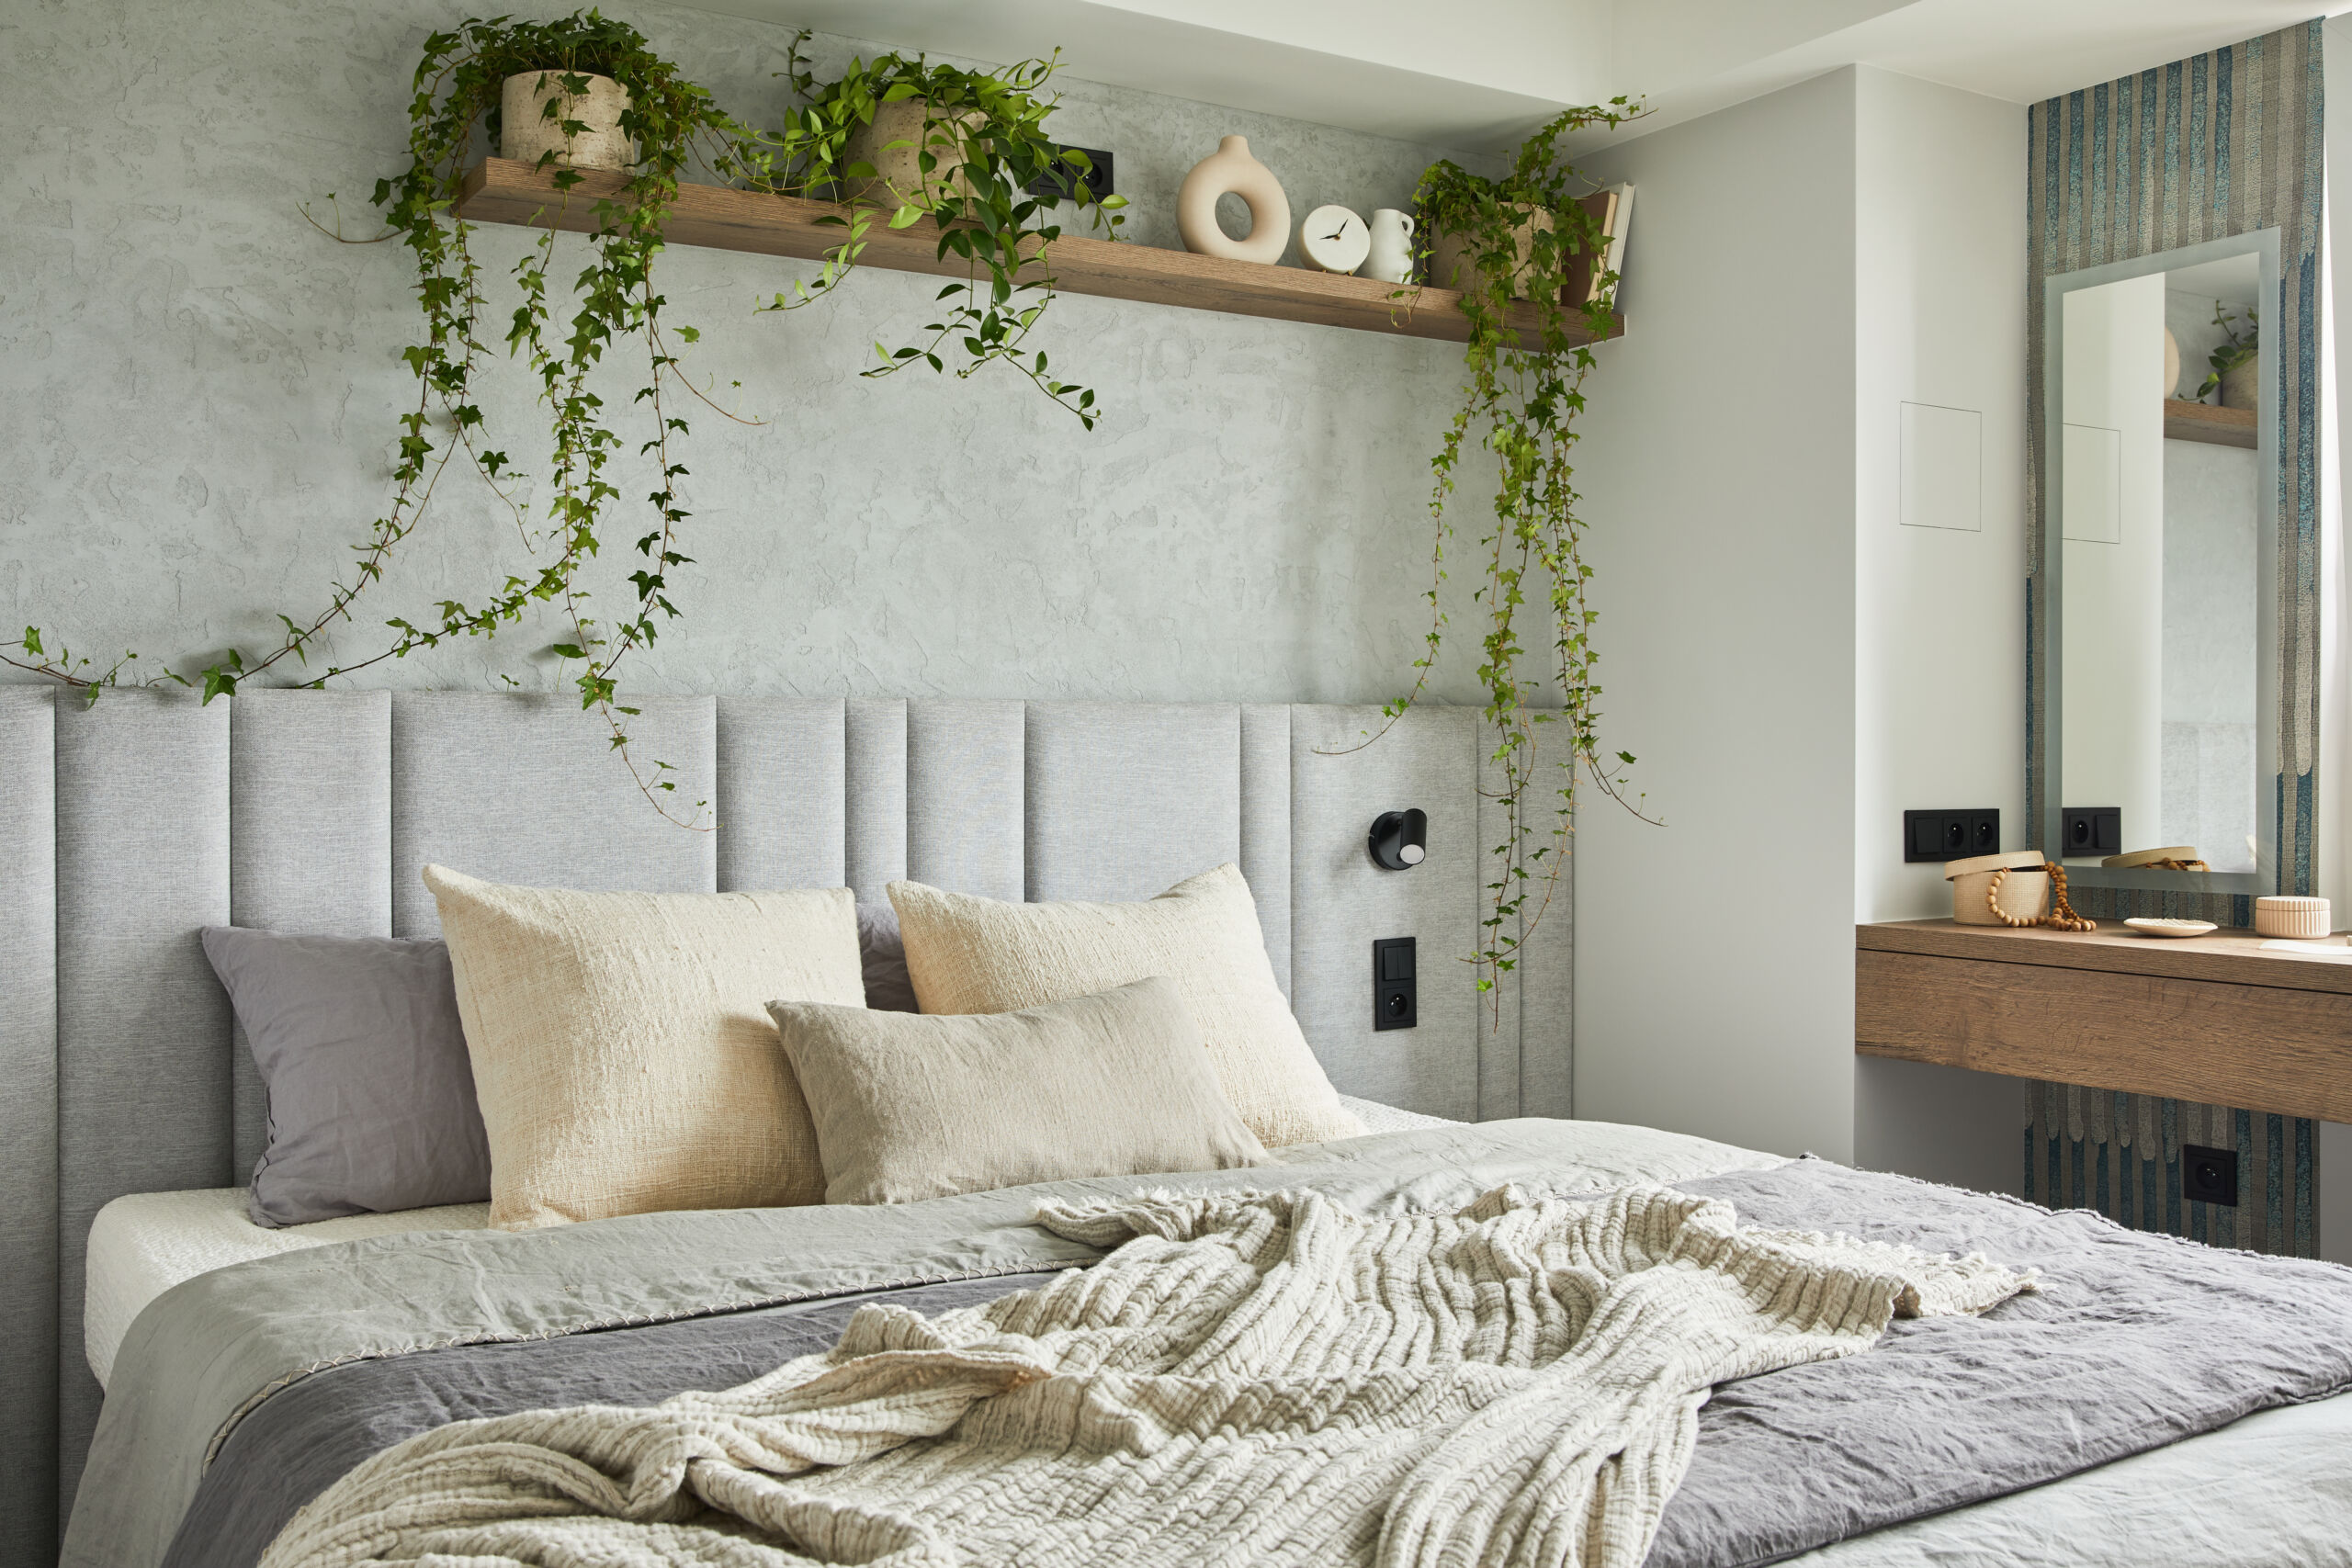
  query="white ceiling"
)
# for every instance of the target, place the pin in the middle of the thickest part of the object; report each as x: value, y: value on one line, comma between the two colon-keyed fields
x: 1476, y: 75
x: 2236, y: 280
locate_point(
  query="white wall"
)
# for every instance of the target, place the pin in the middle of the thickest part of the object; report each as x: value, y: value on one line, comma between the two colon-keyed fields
x: 1793, y: 666
x: 1715, y: 955
x: 1939, y: 614
x: 2331, y: 863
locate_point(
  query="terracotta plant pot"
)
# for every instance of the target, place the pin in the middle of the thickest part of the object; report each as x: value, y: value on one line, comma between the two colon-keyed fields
x: 526, y: 133
x: 2242, y: 388
x: 898, y: 179
x: 1450, y: 263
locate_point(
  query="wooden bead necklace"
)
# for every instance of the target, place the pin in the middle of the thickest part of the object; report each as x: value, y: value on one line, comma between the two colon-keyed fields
x: 2061, y: 916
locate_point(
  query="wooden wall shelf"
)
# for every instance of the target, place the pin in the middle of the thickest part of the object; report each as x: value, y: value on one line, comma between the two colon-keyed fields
x: 2219, y: 1019
x: 2186, y: 420
x: 501, y: 190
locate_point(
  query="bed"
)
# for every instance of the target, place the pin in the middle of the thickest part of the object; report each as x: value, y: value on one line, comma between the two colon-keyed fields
x: 2154, y: 1402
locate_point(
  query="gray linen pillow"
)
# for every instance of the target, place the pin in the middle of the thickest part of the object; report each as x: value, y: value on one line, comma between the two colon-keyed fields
x: 920, y: 1106
x: 882, y: 955
x: 371, y: 1096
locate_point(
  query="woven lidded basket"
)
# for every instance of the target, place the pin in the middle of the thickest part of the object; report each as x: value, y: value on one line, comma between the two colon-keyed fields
x: 2025, y: 891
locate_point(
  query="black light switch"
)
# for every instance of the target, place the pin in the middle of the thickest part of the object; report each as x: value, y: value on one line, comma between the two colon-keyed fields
x: 1394, y: 991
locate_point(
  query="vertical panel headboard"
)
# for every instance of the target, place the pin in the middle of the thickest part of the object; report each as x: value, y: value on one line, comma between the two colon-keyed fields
x: 133, y: 823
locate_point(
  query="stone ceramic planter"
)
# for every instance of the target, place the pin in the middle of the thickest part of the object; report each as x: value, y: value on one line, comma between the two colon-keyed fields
x: 1450, y: 263
x: 527, y: 135
x: 2242, y: 388
x: 898, y: 179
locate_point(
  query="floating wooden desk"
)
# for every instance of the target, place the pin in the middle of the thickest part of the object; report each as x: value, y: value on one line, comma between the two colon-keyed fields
x: 2214, y: 1019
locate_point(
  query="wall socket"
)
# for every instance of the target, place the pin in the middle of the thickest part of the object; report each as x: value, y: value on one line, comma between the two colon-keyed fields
x: 1950, y: 835
x: 1059, y: 182
x: 2209, y: 1176
x: 1396, y: 988
x: 2090, y: 831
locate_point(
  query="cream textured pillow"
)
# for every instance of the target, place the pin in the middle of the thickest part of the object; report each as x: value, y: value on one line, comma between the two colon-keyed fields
x: 909, y: 1106
x: 621, y: 1046
x: 972, y: 954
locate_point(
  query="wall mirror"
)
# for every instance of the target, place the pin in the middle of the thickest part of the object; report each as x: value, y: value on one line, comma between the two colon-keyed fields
x: 2162, y: 710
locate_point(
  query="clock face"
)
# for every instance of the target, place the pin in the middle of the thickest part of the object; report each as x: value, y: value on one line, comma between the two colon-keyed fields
x: 1334, y: 240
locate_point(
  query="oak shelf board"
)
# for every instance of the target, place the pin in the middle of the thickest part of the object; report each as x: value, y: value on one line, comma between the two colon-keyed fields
x: 502, y: 190
x: 2268, y: 1048
x: 2234, y: 956
x: 2187, y: 421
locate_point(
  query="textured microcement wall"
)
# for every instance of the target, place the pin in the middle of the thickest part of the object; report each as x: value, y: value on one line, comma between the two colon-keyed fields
x: 199, y: 390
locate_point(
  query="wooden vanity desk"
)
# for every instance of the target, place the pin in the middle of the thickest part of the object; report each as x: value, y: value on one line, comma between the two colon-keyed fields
x: 2215, y: 1019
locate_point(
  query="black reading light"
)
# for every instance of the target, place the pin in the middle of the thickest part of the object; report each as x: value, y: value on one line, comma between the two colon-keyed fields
x: 1399, y: 840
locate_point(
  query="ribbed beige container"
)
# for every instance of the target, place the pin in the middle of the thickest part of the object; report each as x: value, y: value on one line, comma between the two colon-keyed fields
x: 526, y: 133
x: 2291, y: 916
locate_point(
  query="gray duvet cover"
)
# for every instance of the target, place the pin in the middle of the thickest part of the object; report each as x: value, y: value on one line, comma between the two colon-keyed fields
x: 2135, y: 1341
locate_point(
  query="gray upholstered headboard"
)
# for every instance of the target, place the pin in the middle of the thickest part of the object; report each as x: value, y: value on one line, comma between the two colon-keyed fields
x: 133, y: 823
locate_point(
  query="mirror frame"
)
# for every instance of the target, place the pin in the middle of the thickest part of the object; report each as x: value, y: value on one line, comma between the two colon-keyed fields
x: 2262, y: 244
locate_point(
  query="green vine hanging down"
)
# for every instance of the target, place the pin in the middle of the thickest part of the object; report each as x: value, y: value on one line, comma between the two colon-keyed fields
x: 674, y: 124
x: 970, y: 156
x: 1524, y: 234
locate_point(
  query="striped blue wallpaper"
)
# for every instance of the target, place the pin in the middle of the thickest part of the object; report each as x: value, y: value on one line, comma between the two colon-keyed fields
x: 2221, y: 143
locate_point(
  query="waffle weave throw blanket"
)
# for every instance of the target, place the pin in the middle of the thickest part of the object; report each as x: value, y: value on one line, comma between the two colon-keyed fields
x: 1267, y: 1379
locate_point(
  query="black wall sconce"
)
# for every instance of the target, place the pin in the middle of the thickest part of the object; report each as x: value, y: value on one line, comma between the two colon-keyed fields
x: 1399, y: 840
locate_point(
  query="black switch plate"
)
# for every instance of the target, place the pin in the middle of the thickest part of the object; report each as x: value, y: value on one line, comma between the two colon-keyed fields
x: 1058, y: 184
x: 1950, y: 834
x: 2090, y: 831
x: 1396, y: 996
x: 2209, y: 1176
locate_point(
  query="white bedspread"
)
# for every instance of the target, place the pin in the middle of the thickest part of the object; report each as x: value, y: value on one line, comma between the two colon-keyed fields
x: 144, y: 1245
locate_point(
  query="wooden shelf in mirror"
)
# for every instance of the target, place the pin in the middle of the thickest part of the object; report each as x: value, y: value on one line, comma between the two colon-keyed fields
x: 2186, y: 420
x: 501, y: 190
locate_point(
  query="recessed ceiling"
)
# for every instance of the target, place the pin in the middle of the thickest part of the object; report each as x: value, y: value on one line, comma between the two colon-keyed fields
x: 1477, y: 74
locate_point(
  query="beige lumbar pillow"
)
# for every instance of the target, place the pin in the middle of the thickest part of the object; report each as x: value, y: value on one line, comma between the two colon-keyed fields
x: 621, y: 1045
x: 972, y: 954
x: 909, y: 1106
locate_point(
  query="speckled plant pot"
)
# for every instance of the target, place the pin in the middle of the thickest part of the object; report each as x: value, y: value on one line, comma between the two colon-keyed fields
x: 527, y: 135
x: 898, y: 176
x: 2242, y: 388
x: 1449, y: 262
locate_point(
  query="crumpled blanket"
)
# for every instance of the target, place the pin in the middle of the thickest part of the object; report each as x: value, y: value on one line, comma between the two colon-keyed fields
x: 1265, y: 1378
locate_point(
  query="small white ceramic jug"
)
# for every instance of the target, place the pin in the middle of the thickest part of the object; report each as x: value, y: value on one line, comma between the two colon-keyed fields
x: 1391, y: 260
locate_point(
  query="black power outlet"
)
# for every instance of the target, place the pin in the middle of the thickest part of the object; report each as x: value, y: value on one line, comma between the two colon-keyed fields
x: 2090, y: 831
x: 2209, y: 1176
x: 1950, y: 835
x: 1060, y: 183
x: 1395, y: 992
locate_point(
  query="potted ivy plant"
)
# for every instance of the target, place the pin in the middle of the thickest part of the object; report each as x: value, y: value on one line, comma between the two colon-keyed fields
x: 904, y: 141
x: 1522, y: 236
x: 2237, y: 365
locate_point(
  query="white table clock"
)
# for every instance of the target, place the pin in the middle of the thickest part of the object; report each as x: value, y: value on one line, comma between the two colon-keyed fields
x: 1334, y: 240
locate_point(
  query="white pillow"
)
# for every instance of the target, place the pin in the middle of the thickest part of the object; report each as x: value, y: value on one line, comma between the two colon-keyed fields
x: 909, y: 1105
x: 621, y: 1046
x: 973, y: 955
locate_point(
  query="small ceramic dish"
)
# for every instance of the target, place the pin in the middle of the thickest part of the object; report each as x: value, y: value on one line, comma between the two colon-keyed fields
x: 2148, y: 926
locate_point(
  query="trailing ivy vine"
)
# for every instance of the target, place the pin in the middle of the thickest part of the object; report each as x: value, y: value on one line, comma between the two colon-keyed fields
x: 985, y: 133
x: 1526, y: 362
x: 983, y: 159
